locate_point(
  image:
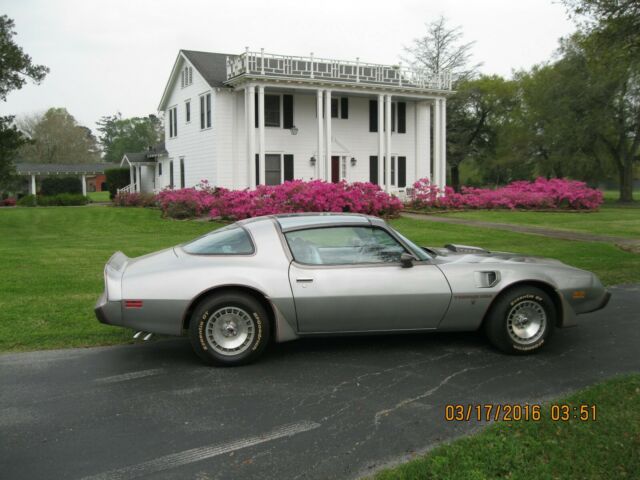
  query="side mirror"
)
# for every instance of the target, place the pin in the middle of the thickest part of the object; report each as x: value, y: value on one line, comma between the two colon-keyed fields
x: 406, y: 260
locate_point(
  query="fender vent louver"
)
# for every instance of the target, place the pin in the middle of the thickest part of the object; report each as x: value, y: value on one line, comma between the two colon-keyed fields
x: 487, y: 279
x: 464, y: 248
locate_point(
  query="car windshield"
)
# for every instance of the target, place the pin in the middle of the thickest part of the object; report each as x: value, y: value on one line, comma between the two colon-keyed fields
x: 416, y: 250
x: 231, y: 240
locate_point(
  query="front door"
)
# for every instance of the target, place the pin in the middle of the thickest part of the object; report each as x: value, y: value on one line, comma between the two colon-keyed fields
x: 335, y: 169
x: 349, y: 279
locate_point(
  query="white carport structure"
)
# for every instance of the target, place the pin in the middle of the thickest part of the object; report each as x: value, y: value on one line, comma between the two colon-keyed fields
x: 35, y: 170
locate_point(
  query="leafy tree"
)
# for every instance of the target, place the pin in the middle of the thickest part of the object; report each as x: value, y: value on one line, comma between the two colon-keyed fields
x: 475, y: 115
x: 15, y: 67
x: 56, y: 137
x: 441, y: 49
x: 609, y: 43
x: 120, y: 135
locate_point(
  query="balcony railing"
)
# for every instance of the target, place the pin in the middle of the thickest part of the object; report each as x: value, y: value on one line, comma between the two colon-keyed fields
x: 266, y: 64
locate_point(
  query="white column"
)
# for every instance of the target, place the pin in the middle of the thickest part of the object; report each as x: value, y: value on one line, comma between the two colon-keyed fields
x: 261, y: 145
x: 381, y: 140
x: 436, y: 143
x: 32, y: 188
x: 423, y: 133
x: 139, y: 189
x: 84, y: 185
x: 251, y: 134
x: 443, y: 144
x: 319, y: 157
x: 387, y: 126
x: 130, y: 173
x: 327, y: 138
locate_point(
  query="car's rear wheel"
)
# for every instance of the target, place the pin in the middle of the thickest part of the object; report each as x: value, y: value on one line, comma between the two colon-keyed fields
x: 521, y: 320
x: 229, y: 329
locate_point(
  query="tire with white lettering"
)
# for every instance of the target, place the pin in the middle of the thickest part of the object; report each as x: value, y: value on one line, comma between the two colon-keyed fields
x: 229, y: 329
x: 521, y: 320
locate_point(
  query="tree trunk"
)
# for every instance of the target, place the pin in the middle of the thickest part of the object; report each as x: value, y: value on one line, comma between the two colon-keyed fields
x: 626, y: 181
x: 455, y: 177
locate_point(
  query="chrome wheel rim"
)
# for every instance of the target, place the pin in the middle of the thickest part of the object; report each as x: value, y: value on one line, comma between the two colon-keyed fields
x: 526, y: 322
x: 230, y: 331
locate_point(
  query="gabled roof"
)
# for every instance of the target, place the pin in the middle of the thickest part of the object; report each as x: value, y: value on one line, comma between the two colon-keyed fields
x: 212, y: 66
x: 158, y: 150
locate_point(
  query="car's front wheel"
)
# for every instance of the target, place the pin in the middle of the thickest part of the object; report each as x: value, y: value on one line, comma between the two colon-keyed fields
x: 521, y: 320
x: 229, y: 329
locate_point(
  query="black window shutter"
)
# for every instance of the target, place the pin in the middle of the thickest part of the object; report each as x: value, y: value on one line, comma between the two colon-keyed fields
x: 257, y: 169
x: 393, y: 117
x: 255, y: 109
x: 402, y: 117
x: 344, y: 107
x: 373, y: 115
x: 202, y: 112
x: 373, y: 169
x: 288, y: 167
x: 334, y: 108
x: 287, y: 114
x: 402, y: 168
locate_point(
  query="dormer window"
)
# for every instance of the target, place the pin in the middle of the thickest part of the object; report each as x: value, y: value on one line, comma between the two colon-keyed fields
x: 186, y: 76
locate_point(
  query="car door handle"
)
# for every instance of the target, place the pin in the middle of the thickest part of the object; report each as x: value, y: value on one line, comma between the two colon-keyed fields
x: 304, y: 280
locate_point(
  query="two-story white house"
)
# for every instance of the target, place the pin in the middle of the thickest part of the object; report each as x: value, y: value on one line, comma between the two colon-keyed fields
x: 255, y: 118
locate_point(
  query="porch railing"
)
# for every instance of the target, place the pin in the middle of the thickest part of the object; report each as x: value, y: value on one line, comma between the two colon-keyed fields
x: 267, y: 64
x: 131, y: 188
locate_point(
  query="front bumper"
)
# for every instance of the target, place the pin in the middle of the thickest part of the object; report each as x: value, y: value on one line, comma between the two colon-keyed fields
x: 603, y: 303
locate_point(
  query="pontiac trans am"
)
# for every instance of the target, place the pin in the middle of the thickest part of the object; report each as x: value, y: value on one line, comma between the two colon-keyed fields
x: 284, y: 277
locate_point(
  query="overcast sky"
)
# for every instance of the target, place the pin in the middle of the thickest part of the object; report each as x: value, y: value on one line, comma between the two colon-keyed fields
x: 116, y: 55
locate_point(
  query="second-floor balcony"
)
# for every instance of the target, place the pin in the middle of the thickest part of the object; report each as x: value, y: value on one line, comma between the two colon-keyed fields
x: 256, y: 64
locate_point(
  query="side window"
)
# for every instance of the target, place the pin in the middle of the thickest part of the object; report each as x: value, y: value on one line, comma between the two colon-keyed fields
x: 343, y: 246
x: 231, y: 240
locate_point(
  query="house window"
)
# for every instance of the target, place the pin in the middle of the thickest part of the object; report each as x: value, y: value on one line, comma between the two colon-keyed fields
x: 402, y: 171
x: 182, y: 183
x: 272, y: 110
x: 278, y: 168
x: 205, y: 111
x: 340, y: 107
x: 159, y: 169
x: 171, y: 174
x: 187, y: 111
x: 393, y: 171
x: 186, y: 77
x: 173, y: 122
x: 373, y: 115
x: 398, y: 116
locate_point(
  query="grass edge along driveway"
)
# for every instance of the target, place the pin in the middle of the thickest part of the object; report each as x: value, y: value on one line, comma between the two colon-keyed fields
x: 607, y: 448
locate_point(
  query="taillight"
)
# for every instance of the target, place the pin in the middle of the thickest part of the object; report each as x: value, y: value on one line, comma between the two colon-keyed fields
x: 133, y: 304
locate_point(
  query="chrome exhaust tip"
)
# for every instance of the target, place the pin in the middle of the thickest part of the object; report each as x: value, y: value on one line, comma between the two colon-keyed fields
x: 147, y: 336
x: 137, y: 335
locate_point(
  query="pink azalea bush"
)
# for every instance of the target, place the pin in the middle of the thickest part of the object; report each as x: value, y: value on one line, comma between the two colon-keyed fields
x: 298, y: 196
x: 541, y: 194
x: 189, y: 202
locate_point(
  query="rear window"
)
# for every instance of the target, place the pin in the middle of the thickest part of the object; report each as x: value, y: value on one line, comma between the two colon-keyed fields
x: 232, y: 240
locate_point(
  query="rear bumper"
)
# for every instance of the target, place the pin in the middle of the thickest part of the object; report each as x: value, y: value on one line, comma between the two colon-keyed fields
x: 109, y: 313
x: 156, y: 316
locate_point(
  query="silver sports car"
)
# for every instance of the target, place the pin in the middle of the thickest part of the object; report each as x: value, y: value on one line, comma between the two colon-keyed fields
x: 283, y: 277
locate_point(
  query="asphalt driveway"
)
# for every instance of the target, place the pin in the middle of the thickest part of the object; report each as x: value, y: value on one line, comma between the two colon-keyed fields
x: 322, y: 408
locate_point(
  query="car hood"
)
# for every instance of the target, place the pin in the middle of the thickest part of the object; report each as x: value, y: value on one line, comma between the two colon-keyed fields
x: 469, y: 254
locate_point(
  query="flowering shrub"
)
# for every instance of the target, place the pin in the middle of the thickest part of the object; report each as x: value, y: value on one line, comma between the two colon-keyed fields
x: 135, y: 199
x: 290, y: 197
x: 298, y: 196
x: 541, y: 194
x: 189, y: 202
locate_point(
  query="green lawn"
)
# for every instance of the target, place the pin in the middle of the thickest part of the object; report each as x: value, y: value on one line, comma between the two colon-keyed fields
x: 52, y: 262
x: 609, y: 220
x: 608, y: 448
x: 98, y: 196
